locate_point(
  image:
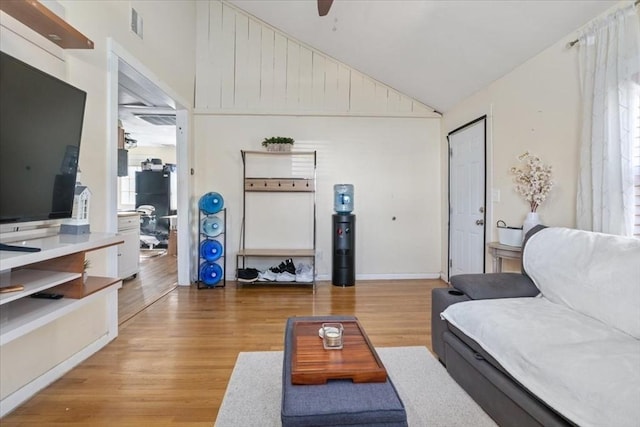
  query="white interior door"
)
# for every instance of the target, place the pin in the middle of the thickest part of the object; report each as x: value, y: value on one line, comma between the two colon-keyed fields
x: 467, y: 198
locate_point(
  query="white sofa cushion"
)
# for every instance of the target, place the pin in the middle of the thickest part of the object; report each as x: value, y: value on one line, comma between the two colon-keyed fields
x: 596, y: 274
x: 581, y: 367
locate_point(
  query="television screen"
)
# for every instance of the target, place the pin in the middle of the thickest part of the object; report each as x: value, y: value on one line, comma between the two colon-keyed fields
x: 40, y: 128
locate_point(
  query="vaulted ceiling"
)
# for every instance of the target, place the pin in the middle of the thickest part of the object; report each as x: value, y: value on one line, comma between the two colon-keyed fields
x: 436, y: 51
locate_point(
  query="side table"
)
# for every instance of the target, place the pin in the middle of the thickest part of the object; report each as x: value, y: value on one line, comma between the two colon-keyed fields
x: 499, y: 251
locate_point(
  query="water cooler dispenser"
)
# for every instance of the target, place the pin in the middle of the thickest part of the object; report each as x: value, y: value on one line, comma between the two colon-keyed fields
x: 344, y: 237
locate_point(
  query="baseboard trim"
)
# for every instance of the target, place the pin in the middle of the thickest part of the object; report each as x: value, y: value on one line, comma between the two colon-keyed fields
x: 404, y: 276
x: 393, y: 276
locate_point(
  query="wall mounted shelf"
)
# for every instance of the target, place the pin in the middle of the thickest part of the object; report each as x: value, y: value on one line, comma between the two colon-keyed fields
x: 292, y: 185
x: 39, y: 18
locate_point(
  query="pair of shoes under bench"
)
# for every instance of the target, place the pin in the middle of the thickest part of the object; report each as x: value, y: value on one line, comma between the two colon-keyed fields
x: 304, y: 273
x: 285, y: 272
x: 248, y: 275
x: 269, y: 275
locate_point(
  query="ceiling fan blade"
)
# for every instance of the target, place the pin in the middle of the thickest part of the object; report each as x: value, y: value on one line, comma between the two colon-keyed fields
x: 324, y: 6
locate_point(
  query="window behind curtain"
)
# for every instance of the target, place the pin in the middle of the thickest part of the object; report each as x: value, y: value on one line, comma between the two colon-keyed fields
x: 127, y: 189
x: 127, y: 184
x: 636, y: 161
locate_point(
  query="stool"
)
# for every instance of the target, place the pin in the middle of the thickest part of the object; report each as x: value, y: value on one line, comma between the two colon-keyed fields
x: 338, y: 402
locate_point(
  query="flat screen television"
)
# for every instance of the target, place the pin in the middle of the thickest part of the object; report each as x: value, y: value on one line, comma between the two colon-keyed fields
x: 41, y: 120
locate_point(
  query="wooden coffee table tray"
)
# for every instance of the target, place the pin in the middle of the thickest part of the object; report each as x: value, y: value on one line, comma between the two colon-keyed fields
x: 312, y: 364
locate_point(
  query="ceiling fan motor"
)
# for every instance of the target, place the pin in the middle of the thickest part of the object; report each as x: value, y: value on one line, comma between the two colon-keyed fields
x: 324, y: 6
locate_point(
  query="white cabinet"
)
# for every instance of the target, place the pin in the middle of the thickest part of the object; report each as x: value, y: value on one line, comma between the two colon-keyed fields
x: 41, y: 339
x: 129, y: 251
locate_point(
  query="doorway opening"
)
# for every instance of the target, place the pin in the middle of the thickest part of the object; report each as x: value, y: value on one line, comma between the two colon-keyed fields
x: 147, y: 159
x: 151, y: 125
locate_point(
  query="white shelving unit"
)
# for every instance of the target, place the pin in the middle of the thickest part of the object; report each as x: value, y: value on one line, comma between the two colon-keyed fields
x: 29, y: 314
x: 35, y: 281
x: 302, y: 182
x: 57, y: 268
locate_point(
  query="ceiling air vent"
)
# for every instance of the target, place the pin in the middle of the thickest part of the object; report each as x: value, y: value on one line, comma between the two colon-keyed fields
x: 158, y: 119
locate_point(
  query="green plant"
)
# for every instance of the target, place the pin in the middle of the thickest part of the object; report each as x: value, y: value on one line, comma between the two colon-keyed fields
x: 86, y: 264
x: 277, y: 140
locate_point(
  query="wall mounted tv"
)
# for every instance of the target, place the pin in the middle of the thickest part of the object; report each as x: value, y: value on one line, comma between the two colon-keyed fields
x: 40, y: 129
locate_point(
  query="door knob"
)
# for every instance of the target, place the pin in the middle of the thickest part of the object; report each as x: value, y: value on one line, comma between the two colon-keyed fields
x: 480, y: 222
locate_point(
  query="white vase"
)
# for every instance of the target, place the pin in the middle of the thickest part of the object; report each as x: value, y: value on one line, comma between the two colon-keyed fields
x: 278, y: 147
x: 530, y: 221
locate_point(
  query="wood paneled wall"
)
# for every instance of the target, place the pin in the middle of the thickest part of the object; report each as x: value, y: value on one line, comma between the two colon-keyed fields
x: 244, y: 65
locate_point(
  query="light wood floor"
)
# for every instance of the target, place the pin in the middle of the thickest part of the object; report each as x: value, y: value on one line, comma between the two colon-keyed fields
x: 171, y: 362
x: 158, y: 276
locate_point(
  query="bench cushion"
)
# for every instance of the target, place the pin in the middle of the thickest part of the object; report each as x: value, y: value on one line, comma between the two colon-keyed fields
x: 338, y: 402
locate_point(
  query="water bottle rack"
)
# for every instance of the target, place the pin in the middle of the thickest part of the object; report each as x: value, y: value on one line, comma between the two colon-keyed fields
x: 223, y: 257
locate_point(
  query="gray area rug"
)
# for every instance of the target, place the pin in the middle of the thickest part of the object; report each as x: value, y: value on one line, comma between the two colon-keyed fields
x: 430, y: 396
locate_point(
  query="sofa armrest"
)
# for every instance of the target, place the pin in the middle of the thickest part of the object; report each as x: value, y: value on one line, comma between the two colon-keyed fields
x: 473, y: 287
x: 441, y: 298
x: 495, y: 285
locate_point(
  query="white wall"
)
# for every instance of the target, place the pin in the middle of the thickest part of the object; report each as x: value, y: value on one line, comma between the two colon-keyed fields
x: 255, y: 82
x: 534, y: 108
x: 244, y: 65
x: 393, y: 163
x: 168, y: 54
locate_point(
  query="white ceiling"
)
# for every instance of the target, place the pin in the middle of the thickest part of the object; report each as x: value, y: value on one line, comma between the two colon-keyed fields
x: 138, y: 95
x: 438, y: 52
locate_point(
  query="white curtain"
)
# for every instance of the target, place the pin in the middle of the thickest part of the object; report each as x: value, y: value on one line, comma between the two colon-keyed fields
x: 609, y: 55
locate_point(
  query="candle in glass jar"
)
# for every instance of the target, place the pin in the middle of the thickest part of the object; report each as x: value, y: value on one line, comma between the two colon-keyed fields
x: 332, y: 336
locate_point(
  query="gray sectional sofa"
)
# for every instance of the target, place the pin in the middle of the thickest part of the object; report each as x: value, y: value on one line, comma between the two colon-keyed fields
x: 555, y: 345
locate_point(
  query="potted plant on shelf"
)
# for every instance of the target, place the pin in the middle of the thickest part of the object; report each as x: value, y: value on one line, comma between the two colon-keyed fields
x: 85, y: 266
x: 278, y: 143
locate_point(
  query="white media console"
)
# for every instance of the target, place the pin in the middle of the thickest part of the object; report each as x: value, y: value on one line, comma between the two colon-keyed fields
x: 42, y: 339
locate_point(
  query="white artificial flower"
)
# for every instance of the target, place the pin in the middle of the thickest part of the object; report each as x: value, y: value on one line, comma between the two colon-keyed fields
x: 533, y: 181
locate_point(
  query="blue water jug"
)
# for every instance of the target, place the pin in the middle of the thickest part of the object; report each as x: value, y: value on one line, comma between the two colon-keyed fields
x: 210, y: 273
x: 211, y: 226
x: 343, y: 198
x: 211, y: 250
x: 211, y: 203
